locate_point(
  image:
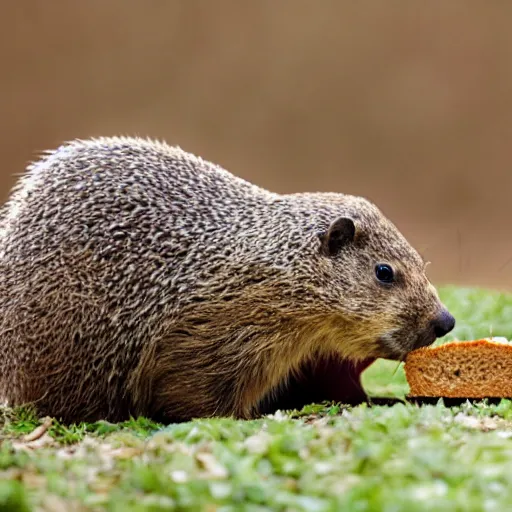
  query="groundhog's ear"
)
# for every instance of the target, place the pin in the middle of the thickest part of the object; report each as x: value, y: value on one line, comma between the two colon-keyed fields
x: 340, y: 233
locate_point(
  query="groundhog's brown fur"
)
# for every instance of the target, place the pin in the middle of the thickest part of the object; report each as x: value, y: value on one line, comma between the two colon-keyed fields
x: 137, y: 279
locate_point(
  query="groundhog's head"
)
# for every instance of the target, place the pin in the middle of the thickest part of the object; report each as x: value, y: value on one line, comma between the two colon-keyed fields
x: 378, y: 283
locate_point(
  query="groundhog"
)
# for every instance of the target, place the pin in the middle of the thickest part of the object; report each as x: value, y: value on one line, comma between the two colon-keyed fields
x: 138, y: 279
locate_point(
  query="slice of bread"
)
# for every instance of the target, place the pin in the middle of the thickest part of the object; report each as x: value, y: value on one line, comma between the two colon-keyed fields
x: 461, y: 369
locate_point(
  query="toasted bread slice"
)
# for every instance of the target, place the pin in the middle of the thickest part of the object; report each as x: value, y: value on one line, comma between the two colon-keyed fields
x: 461, y: 369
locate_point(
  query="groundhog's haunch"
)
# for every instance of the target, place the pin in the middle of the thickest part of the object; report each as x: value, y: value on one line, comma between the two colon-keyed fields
x: 137, y: 279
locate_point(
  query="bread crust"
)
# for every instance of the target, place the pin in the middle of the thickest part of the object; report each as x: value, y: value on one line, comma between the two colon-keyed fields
x: 461, y: 369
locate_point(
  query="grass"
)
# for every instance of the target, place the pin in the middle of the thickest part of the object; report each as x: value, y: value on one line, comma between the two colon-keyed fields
x: 324, y: 458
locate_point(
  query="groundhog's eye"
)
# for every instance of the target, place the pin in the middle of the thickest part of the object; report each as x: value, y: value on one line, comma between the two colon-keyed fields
x: 384, y: 273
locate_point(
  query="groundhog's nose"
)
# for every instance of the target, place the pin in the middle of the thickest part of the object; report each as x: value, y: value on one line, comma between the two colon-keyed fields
x: 443, y: 323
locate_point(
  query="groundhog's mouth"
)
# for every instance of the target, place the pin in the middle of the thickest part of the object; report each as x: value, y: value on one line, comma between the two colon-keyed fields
x: 324, y: 379
x: 393, y: 346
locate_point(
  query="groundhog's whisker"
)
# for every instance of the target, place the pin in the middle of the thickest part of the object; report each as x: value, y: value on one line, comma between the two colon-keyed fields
x: 397, y: 367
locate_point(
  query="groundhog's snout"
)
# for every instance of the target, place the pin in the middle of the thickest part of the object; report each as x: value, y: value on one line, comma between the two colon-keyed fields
x: 443, y: 323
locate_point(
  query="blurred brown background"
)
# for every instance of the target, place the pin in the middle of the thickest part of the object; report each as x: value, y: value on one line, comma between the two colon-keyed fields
x: 406, y: 103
